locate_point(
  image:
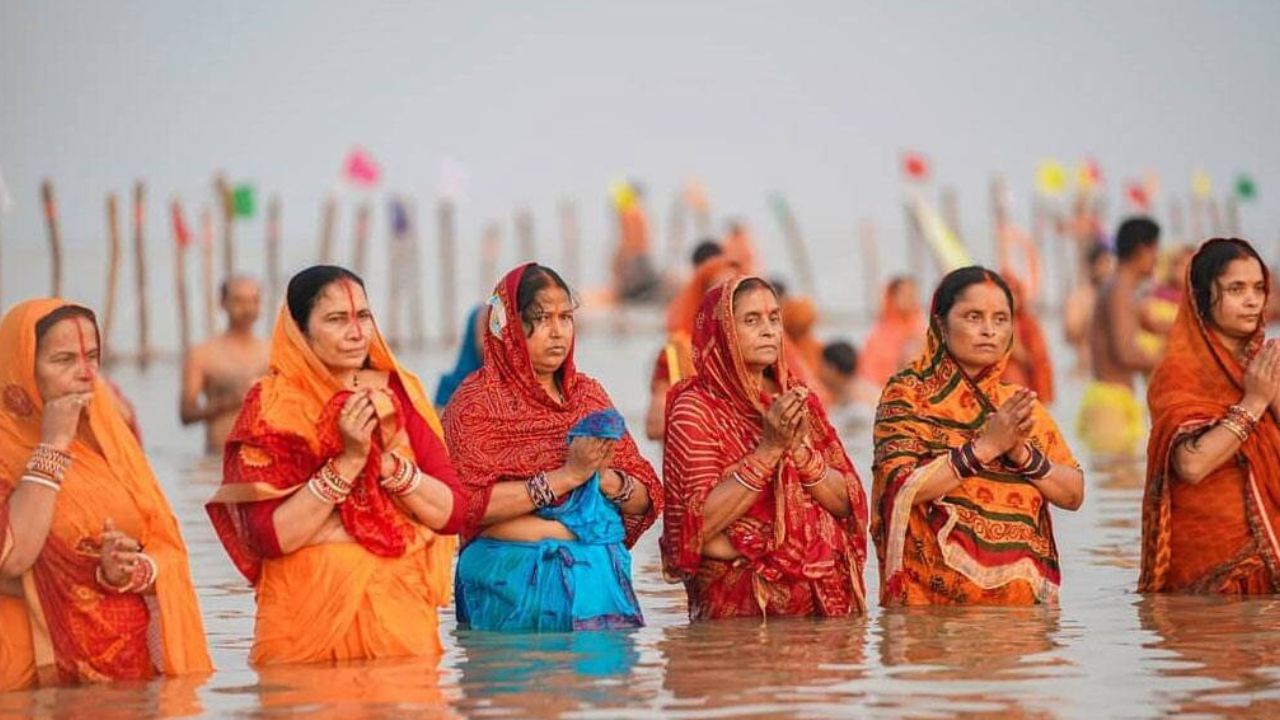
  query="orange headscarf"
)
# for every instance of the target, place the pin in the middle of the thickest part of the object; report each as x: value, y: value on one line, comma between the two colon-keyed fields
x: 288, y: 427
x: 894, y: 331
x: 74, y: 626
x: 1191, y: 388
x: 683, y: 311
x: 799, y: 315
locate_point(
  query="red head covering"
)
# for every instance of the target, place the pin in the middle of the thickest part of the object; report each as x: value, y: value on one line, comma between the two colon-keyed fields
x: 713, y: 420
x: 502, y: 424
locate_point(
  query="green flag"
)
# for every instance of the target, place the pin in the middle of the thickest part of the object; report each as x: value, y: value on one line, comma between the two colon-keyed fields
x: 242, y: 201
x: 1246, y: 189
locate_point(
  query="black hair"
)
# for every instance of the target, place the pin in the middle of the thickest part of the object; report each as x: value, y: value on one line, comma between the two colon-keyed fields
x: 534, y: 280
x: 706, y: 250
x: 957, y: 281
x: 842, y: 356
x: 305, y: 288
x: 779, y: 287
x: 1135, y: 234
x: 753, y: 283
x: 66, y: 312
x: 1211, y: 261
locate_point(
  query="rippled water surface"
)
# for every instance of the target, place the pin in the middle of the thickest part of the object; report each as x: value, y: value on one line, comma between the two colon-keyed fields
x: 1106, y: 652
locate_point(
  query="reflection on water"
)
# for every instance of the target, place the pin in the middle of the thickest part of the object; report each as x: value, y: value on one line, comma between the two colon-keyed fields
x: 1105, y: 653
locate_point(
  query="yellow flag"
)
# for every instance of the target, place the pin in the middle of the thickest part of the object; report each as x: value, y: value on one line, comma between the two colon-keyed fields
x: 1051, y: 178
x: 1201, y: 186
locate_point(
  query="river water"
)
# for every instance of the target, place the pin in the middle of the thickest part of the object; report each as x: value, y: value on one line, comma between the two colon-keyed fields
x: 1105, y: 652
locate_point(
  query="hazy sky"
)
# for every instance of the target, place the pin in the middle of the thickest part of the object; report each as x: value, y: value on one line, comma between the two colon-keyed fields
x: 539, y: 101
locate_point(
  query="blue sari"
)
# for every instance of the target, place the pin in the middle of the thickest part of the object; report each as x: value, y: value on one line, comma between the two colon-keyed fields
x: 555, y: 585
x: 469, y: 361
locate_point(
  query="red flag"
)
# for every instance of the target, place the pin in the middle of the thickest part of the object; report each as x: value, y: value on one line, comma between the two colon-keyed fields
x: 1137, y: 196
x: 915, y: 166
x: 361, y: 169
x: 181, y: 233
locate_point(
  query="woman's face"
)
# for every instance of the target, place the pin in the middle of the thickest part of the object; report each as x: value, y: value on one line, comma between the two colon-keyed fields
x: 757, y: 320
x: 340, y: 326
x: 905, y: 299
x: 1239, y: 296
x: 548, y: 329
x: 67, y: 359
x: 978, y: 328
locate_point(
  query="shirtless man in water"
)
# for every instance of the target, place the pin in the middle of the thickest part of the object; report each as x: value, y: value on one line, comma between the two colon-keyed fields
x: 224, y: 368
x: 1111, y: 418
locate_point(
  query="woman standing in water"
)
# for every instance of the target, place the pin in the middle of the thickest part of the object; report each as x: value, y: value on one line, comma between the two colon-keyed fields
x: 337, y: 492
x: 765, y: 512
x: 967, y: 466
x: 558, y: 489
x: 94, y: 579
x: 1211, y: 511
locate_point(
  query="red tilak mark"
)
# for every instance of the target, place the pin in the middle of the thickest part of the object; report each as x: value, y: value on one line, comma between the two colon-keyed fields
x: 351, y: 302
x: 84, y: 353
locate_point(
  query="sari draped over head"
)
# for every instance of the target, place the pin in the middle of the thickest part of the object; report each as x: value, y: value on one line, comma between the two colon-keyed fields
x: 990, y: 540
x: 1218, y: 535
x: 469, y: 360
x: 892, y: 335
x: 504, y: 426
x: 796, y: 558
x: 374, y: 597
x: 1034, y: 369
x: 68, y: 628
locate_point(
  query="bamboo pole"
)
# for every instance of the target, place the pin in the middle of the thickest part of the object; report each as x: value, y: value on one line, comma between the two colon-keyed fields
x: 524, y: 236
x: 113, y: 277
x: 490, y: 248
x: 398, y: 264
x: 328, y: 225
x: 140, y: 272
x: 417, y: 319
x: 448, y: 269
x: 799, y: 250
x: 915, y: 246
x: 181, y: 239
x: 360, y: 241
x: 206, y: 271
x: 273, y: 252
x: 1233, y: 216
x: 227, y: 204
x: 870, y: 264
x: 571, y: 240
x: 55, y: 237
x: 677, y: 232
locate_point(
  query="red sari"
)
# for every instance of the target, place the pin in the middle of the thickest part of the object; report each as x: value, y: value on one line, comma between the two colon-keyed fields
x: 1218, y: 535
x: 796, y: 558
x: 502, y: 425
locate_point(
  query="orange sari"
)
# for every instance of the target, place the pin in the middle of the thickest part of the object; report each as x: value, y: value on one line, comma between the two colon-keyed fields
x: 988, y: 541
x: 675, y: 361
x: 1218, y: 535
x: 67, y: 629
x: 1032, y: 366
x: 893, y: 333
x: 374, y: 597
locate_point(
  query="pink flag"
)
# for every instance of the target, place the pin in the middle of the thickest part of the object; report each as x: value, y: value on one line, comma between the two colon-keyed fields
x: 360, y: 169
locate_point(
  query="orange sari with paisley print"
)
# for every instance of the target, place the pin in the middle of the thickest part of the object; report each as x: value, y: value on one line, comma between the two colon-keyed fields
x: 990, y: 540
